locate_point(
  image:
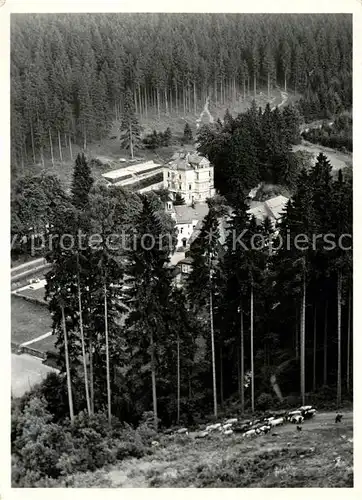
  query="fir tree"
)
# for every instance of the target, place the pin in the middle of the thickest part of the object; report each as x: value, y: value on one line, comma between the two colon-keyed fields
x: 130, y: 128
x: 187, y: 137
x: 82, y: 182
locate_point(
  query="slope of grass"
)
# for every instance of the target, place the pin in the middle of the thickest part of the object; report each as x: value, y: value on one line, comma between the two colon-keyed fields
x: 320, y: 456
x: 28, y: 320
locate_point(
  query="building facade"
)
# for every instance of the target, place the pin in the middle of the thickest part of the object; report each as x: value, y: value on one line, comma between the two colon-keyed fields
x: 191, y: 176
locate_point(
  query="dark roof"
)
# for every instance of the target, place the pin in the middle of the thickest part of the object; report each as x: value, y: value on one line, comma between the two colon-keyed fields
x: 186, y: 214
x: 186, y: 260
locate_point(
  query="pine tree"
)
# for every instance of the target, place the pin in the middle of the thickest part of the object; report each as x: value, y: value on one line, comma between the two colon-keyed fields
x: 150, y: 286
x: 187, y: 137
x: 202, y: 282
x: 82, y: 182
x: 130, y: 128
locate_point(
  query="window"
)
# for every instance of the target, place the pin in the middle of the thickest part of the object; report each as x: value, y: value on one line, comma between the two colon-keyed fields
x: 168, y: 174
x: 209, y: 173
x: 197, y: 176
x: 179, y: 176
x: 181, y: 230
x: 189, y: 186
x: 180, y: 186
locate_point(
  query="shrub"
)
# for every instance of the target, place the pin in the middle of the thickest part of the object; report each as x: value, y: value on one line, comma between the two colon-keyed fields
x: 264, y: 401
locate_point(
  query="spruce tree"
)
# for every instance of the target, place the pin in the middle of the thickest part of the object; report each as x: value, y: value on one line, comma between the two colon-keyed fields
x: 187, y: 137
x: 82, y: 182
x: 130, y: 129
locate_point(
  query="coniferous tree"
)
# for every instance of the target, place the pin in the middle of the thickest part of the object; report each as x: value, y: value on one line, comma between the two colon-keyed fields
x: 187, y: 137
x: 82, y: 182
x: 130, y: 128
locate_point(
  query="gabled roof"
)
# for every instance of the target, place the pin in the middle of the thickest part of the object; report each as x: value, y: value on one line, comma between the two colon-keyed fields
x: 271, y: 208
x: 276, y: 205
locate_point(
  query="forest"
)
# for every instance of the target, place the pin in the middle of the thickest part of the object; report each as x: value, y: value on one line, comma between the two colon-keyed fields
x: 70, y: 72
x: 138, y: 354
x: 136, y: 351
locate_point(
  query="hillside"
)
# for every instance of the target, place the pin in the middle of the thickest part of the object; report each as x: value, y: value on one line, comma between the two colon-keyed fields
x: 320, y: 456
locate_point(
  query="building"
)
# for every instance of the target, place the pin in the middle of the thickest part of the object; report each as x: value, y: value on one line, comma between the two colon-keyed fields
x: 136, y: 176
x: 272, y: 208
x: 189, y: 175
x: 187, y: 219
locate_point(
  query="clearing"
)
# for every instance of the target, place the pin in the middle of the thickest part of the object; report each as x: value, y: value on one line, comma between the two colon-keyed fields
x: 26, y: 372
x: 319, y: 456
x: 28, y: 320
x: 108, y: 149
x: 337, y: 159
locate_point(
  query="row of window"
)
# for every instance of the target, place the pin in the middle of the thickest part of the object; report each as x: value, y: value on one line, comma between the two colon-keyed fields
x: 197, y: 175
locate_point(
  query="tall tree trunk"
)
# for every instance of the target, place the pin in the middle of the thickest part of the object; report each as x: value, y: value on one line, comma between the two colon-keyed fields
x: 268, y: 85
x: 339, y: 371
x: 213, y: 354
x: 82, y: 340
x: 51, y: 147
x: 32, y: 142
x: 178, y: 380
x: 242, y: 356
x: 146, y: 102
x: 176, y: 97
x: 215, y: 91
x: 91, y: 377
x: 285, y: 81
x: 70, y: 147
x: 158, y: 103
x: 254, y: 86
x: 302, y: 341
x: 195, y: 97
x: 296, y: 334
x: 325, y: 342
x: 67, y: 367
x: 221, y: 380
x: 314, y: 348
x: 252, y: 344
x: 42, y: 156
x: 130, y: 140
x: 85, y: 137
x: 135, y: 101
x: 166, y: 101
x: 60, y: 147
x: 184, y: 99
x: 107, y: 355
x: 238, y: 369
x: 349, y: 340
x: 244, y: 90
x: 153, y: 377
x: 139, y: 100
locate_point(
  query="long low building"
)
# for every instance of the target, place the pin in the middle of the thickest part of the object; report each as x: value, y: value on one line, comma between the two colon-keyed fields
x: 131, y: 175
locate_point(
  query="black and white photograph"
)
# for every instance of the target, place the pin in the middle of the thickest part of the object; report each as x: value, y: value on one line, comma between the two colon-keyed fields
x: 181, y: 233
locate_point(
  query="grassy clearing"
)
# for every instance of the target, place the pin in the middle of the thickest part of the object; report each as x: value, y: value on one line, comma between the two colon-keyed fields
x: 109, y: 147
x: 337, y: 159
x: 38, y: 294
x: 320, y: 456
x: 28, y: 320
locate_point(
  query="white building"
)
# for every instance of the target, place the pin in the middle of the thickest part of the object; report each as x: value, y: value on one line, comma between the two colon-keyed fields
x: 132, y: 174
x: 191, y: 176
x: 272, y: 208
x: 186, y: 218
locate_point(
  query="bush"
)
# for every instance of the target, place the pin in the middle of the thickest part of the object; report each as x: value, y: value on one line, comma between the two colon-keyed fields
x: 43, y: 450
x: 264, y: 401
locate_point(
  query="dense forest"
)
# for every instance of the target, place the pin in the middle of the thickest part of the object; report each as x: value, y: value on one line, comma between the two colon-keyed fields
x: 130, y: 341
x: 260, y: 322
x: 70, y: 72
